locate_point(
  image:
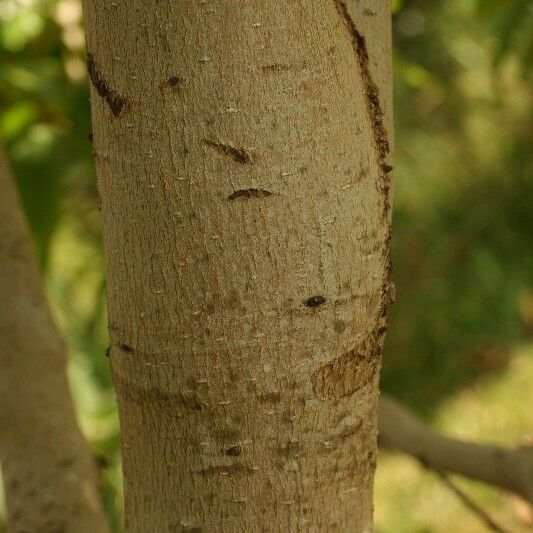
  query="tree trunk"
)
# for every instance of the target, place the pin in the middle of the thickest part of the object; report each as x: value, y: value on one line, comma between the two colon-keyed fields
x: 242, y: 162
x: 48, y: 470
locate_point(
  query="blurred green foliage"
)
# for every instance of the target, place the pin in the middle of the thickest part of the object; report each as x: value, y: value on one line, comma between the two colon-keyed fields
x: 463, y: 216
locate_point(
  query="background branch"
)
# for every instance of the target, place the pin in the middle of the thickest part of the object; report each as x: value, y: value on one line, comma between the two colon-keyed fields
x: 507, y: 468
x: 48, y: 470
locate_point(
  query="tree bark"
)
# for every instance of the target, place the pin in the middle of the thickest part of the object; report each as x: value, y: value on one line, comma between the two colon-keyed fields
x: 507, y: 468
x: 243, y: 167
x: 48, y: 470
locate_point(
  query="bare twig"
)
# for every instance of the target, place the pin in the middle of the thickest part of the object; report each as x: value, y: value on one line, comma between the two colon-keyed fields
x: 506, y: 468
x: 469, y: 502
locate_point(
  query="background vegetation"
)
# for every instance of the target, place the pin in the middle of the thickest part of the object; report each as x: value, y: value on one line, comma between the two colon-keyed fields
x: 459, y: 349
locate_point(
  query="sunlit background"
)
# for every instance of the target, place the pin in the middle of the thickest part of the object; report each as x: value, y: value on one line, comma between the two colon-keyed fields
x: 460, y: 347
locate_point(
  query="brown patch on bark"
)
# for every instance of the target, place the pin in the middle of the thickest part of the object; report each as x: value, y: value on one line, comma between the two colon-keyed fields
x: 249, y: 193
x: 240, y: 155
x: 339, y: 326
x: 174, y: 82
x: 274, y: 68
x: 165, y: 400
x: 349, y: 372
x: 269, y: 397
x: 116, y: 102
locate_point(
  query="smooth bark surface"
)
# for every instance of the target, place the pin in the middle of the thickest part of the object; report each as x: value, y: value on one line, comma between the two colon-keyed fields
x: 243, y: 163
x: 48, y: 470
x: 507, y: 468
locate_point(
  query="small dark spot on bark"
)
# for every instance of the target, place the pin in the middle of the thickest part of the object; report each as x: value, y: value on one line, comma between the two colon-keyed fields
x: 234, y: 451
x: 387, y: 168
x: 291, y: 449
x: 249, y: 193
x: 174, y: 82
x: 191, y: 383
x: 274, y: 68
x: 315, y: 301
x: 240, y: 155
x: 339, y: 326
x: 108, y: 351
x: 125, y: 348
x: 116, y: 102
x: 381, y: 330
x: 369, y: 12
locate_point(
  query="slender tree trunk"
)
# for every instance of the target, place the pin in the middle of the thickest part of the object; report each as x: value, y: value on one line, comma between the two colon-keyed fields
x: 48, y: 470
x: 242, y: 161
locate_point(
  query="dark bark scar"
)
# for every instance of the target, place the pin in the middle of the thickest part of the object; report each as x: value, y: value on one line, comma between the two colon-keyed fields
x: 315, y: 301
x: 373, y: 104
x: 174, y: 82
x: 116, y: 102
x: 234, y: 451
x: 248, y: 194
x: 125, y: 348
x: 240, y: 155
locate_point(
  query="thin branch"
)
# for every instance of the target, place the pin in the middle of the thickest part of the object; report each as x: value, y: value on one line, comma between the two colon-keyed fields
x: 506, y: 468
x: 469, y: 502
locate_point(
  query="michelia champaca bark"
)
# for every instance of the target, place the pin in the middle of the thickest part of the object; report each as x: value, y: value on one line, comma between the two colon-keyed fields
x: 243, y: 160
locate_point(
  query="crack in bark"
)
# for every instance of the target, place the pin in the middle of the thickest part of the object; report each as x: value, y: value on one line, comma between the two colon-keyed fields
x: 240, y: 155
x: 174, y: 82
x: 373, y: 104
x: 249, y: 193
x: 116, y: 102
